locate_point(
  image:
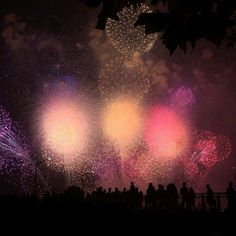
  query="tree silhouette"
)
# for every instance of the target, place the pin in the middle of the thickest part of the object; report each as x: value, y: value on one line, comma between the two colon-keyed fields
x: 184, y: 21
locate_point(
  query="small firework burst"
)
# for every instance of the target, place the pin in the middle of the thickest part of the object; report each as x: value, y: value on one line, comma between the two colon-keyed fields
x: 206, y: 150
x: 183, y: 98
x: 127, y: 38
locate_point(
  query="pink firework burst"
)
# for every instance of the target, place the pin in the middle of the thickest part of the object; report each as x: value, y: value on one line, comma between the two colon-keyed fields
x: 206, y: 150
x: 183, y: 98
x: 166, y: 133
x: 210, y: 148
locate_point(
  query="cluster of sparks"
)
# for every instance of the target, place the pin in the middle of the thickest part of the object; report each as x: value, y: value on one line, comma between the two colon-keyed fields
x: 124, y: 76
x: 127, y: 38
x: 16, y: 165
x: 206, y: 150
x: 64, y: 129
x: 183, y: 98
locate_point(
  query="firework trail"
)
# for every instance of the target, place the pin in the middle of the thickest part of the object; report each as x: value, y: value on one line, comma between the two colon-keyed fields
x: 16, y: 165
x: 9, y: 143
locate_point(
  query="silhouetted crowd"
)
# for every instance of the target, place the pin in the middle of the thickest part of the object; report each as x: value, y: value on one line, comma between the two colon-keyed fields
x: 115, y: 212
x: 159, y: 198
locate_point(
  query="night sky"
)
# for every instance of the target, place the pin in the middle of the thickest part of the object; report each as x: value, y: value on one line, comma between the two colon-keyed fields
x: 42, y: 41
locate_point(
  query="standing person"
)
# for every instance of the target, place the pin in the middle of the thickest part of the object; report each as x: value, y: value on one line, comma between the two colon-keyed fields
x: 210, y: 197
x: 151, y: 196
x: 161, y: 196
x: 172, y: 195
x: 231, y: 196
x: 191, y: 198
x: 184, y: 195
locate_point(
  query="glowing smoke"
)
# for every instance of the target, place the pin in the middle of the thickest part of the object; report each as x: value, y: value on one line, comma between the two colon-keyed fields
x: 166, y: 133
x: 122, y: 121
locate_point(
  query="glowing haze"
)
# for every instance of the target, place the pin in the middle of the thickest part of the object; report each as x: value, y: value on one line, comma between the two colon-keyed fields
x: 65, y: 126
x: 166, y: 133
x: 122, y: 121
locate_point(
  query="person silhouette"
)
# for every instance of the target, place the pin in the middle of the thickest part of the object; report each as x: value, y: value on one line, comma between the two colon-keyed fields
x: 151, y: 196
x: 140, y: 199
x: 161, y: 196
x: 172, y: 196
x: 184, y: 195
x: 131, y: 195
x: 132, y: 187
x: 231, y: 194
x: 210, y: 197
x: 191, y: 198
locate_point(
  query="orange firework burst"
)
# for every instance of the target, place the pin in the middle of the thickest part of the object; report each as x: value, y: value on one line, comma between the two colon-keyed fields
x: 64, y: 126
x: 122, y: 121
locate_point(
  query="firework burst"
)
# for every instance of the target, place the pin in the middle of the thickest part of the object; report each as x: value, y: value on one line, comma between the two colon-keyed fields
x: 122, y: 122
x: 166, y: 133
x: 183, y: 99
x: 15, y: 161
x: 127, y: 38
x: 63, y: 126
x: 207, y: 149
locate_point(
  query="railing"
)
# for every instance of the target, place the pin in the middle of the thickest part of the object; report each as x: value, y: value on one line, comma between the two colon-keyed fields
x: 220, y: 201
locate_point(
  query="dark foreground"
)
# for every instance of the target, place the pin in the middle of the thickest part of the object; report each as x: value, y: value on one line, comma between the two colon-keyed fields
x: 70, y: 215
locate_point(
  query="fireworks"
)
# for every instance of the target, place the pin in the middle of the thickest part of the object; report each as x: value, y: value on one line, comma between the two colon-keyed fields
x: 106, y: 164
x: 166, y: 134
x: 183, y: 98
x: 127, y: 38
x: 9, y: 141
x: 210, y: 148
x: 122, y: 121
x: 124, y: 77
x: 15, y: 162
x: 65, y: 127
x: 206, y: 150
